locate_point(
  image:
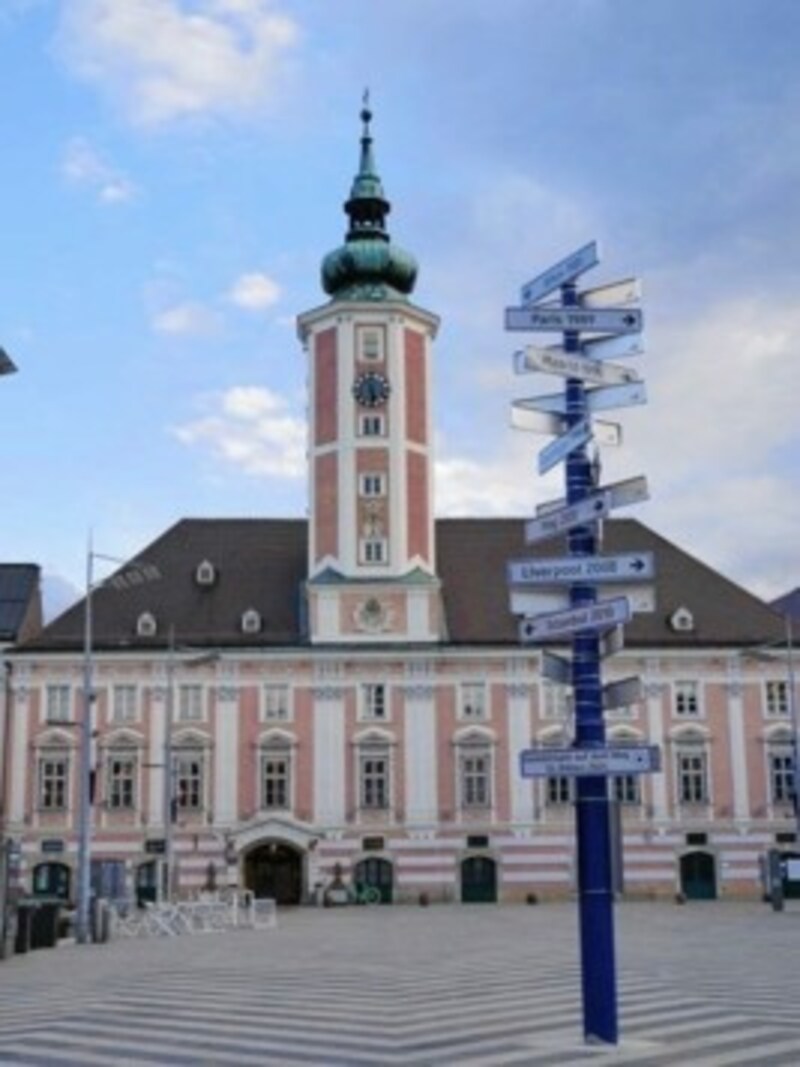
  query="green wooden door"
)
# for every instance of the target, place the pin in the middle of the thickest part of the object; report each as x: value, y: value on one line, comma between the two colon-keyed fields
x: 478, y: 880
x: 377, y: 874
x: 698, y: 877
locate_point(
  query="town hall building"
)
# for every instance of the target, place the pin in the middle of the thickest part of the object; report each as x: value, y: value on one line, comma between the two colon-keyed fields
x: 280, y: 704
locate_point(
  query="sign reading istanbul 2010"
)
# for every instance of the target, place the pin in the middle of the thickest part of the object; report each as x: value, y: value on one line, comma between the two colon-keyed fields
x: 597, y: 325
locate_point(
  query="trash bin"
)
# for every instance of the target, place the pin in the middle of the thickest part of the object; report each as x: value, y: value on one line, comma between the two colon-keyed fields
x: 22, y: 938
x: 44, y: 923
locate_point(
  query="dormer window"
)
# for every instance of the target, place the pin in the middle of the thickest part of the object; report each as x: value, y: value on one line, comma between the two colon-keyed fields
x: 251, y: 621
x: 682, y: 620
x: 146, y: 625
x: 206, y: 573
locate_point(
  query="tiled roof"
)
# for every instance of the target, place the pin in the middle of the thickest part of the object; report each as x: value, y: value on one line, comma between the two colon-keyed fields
x: 20, y: 606
x: 261, y: 564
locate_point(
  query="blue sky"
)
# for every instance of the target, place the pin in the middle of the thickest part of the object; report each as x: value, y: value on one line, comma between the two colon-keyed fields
x: 173, y: 173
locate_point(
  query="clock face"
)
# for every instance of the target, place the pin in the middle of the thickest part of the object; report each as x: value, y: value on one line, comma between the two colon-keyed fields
x: 371, y: 389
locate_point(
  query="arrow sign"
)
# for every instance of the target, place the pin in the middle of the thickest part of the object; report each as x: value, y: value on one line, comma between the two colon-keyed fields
x: 555, y: 668
x: 539, y: 601
x: 557, y: 522
x: 587, y: 762
x: 547, y: 320
x: 554, y: 359
x: 603, y: 399
x: 525, y: 416
x: 612, y: 642
x: 615, y: 294
x: 602, y: 615
x: 560, y: 273
x: 586, y: 570
x: 623, y: 693
x: 613, y: 347
x: 558, y: 450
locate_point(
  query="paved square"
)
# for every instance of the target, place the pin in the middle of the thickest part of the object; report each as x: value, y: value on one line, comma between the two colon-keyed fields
x: 704, y: 984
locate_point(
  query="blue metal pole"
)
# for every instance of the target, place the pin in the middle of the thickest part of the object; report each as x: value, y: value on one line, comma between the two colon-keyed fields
x: 598, y: 969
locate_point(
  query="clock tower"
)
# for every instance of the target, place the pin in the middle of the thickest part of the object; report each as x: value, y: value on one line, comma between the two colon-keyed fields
x: 371, y: 552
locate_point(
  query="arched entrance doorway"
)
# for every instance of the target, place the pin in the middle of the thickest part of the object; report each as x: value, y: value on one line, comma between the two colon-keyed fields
x: 377, y: 874
x: 478, y: 880
x: 147, y: 883
x: 275, y: 870
x: 698, y: 876
x: 791, y: 885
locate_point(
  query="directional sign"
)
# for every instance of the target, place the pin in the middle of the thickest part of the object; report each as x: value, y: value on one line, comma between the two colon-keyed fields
x: 615, y: 294
x: 603, y: 399
x: 602, y: 320
x: 560, y: 273
x: 529, y: 602
x: 623, y: 693
x: 612, y: 642
x: 558, y: 450
x: 556, y: 668
x: 554, y: 359
x: 588, y: 762
x: 630, y: 491
x: 613, y: 347
x: 601, y: 615
x: 564, y: 518
x: 526, y: 416
x: 568, y: 570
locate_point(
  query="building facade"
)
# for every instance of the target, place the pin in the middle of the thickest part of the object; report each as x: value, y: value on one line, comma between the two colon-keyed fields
x: 280, y: 704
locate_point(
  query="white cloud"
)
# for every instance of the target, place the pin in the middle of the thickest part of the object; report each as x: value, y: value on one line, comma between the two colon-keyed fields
x: 253, y: 429
x: 254, y: 292
x: 188, y: 319
x: 84, y: 166
x: 171, y: 59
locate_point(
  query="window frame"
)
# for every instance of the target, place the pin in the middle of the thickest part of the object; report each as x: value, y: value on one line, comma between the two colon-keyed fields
x: 124, y: 711
x: 477, y: 691
x: 282, y: 711
x: 371, y: 424
x: 117, y: 780
x: 372, y: 484
x: 372, y: 781
x: 685, y: 774
x: 186, y: 709
x: 776, y: 707
x: 374, y: 695
x: 182, y: 757
x: 687, y: 690
x: 785, y: 775
x: 60, y: 694
x: 48, y: 780
x: 275, y: 752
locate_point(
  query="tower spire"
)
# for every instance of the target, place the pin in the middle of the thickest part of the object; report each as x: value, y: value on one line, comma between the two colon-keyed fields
x: 368, y: 266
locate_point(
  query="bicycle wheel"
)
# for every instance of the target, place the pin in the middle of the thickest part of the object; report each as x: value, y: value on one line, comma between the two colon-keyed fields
x: 371, y: 895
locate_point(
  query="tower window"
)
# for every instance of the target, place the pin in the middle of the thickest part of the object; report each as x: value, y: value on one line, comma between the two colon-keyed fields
x: 372, y: 485
x: 370, y: 347
x: 373, y: 550
x: 371, y: 425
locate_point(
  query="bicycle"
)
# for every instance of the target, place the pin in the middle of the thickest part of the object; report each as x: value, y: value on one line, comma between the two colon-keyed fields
x: 366, y: 894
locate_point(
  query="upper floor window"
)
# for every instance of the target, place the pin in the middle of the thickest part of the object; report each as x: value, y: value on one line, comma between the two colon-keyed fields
x: 123, y: 703
x: 687, y: 698
x: 475, y: 773
x: 276, y: 703
x: 557, y: 791
x: 371, y: 424
x: 58, y: 699
x: 776, y: 692
x: 53, y: 782
x: 190, y: 703
x: 555, y: 701
x: 781, y: 776
x: 121, y: 781
x: 374, y: 550
x: 374, y: 703
x: 626, y: 789
x: 692, y: 767
x: 276, y: 764
x: 372, y: 484
x: 188, y: 775
x: 473, y: 701
x: 374, y: 779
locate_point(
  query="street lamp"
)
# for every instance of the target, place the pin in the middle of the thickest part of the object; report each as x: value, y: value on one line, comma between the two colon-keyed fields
x: 143, y: 572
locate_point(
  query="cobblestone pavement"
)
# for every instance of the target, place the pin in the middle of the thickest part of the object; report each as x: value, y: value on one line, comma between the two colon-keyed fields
x: 707, y: 984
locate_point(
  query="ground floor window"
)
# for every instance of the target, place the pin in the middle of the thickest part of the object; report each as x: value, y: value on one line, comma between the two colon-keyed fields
x: 374, y: 780
x: 53, y: 782
x: 692, y: 777
x: 188, y: 777
x: 781, y: 776
x: 275, y: 778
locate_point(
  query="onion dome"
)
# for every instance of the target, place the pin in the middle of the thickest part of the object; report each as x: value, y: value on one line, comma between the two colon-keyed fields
x: 368, y: 266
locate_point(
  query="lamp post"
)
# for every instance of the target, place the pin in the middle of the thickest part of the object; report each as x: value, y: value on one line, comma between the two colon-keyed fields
x: 143, y: 572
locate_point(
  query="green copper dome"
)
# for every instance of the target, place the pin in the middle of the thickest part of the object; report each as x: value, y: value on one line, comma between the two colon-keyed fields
x: 368, y: 266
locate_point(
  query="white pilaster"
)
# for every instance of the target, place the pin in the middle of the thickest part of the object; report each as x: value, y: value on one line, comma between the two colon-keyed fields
x: 519, y: 736
x: 655, y: 733
x: 420, y: 755
x: 20, y: 764
x: 329, y: 757
x: 226, y: 770
x: 741, y: 791
x: 158, y: 724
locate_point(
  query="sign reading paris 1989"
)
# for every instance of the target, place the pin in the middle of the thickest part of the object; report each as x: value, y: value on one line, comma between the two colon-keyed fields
x: 597, y: 325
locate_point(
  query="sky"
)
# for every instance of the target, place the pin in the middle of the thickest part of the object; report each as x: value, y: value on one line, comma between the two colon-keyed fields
x: 174, y: 171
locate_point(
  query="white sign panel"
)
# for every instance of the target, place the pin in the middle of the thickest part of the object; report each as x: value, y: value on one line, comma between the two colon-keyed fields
x: 560, y: 273
x: 603, y: 399
x: 554, y: 359
x: 588, y: 762
x: 613, y: 347
x: 632, y: 566
x: 548, y: 320
x: 562, y: 519
x: 615, y: 294
x: 556, y: 668
x: 526, y: 417
x: 601, y: 615
x: 531, y: 602
x: 622, y: 694
x: 611, y: 642
x: 559, y: 449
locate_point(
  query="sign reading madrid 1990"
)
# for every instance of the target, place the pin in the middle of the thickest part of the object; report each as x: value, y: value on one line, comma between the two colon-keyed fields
x: 602, y: 320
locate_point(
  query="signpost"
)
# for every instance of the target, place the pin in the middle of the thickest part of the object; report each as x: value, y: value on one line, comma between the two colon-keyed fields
x: 593, y: 627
